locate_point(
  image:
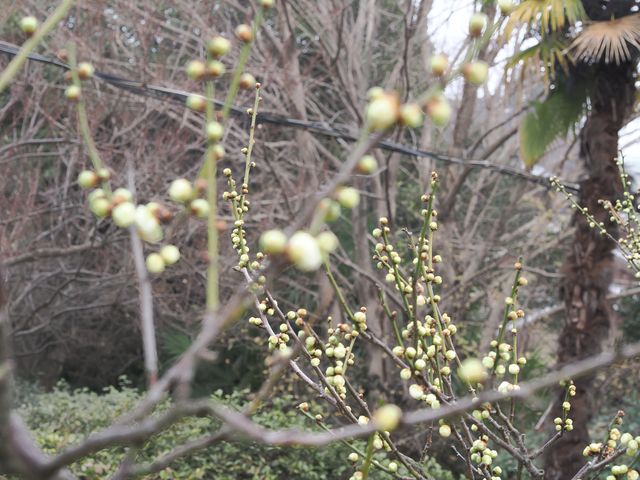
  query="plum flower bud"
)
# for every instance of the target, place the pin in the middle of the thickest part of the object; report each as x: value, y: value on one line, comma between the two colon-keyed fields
x: 181, y: 190
x: 218, y: 46
x: 328, y: 242
x: 148, y: 225
x: 99, y: 206
x: 85, y: 70
x: 266, y: 4
x: 200, y: 207
x: 505, y: 387
x: 367, y: 165
x: 439, y: 65
x: 273, y: 242
x: 388, y: 417
x: 304, y: 252
x: 170, y: 254
x: 477, y: 24
x: 196, y: 69
x: 416, y: 391
x: 476, y: 72
x: 330, y: 209
x: 472, y: 371
x: 155, y: 263
x: 360, y: 317
x: 506, y: 7
x: 383, y: 112
x: 215, y: 131
x: 348, y: 197
x: 411, y: 115
x: 196, y: 102
x: 215, y: 68
x: 247, y: 81
x: 88, y: 179
x: 29, y: 25
x: 122, y: 195
x: 72, y: 93
x: 444, y: 430
x: 374, y: 93
x: 124, y: 214
x: 439, y: 110
x: 244, y: 33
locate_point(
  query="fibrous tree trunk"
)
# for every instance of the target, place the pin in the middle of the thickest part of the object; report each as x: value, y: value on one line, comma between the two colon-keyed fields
x: 588, y: 267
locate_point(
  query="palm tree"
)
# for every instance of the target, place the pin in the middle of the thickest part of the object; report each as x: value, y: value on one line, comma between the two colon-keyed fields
x: 602, y: 39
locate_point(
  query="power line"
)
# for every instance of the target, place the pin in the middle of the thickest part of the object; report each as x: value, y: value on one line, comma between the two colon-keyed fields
x: 320, y: 128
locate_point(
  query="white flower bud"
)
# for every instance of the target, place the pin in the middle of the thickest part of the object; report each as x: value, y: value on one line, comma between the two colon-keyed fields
x: 155, y: 263
x: 170, y: 254
x: 124, y: 214
x: 388, y: 417
x: 304, y: 252
x: 273, y: 242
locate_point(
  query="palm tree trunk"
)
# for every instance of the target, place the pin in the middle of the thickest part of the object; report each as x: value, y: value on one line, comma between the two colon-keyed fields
x: 588, y: 267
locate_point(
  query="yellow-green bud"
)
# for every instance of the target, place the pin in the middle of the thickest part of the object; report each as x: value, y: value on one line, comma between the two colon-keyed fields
x: 383, y: 112
x: 215, y: 131
x: 273, y: 242
x: 88, y: 179
x: 181, y: 190
x: 411, y: 115
x: 218, y: 46
x: 155, y: 263
x: 29, y: 25
x: 367, y: 165
x: 304, y: 252
x: 388, y: 417
x: 124, y: 214
x: 476, y: 72
x: 200, y: 207
x: 170, y: 254
x: 348, y: 197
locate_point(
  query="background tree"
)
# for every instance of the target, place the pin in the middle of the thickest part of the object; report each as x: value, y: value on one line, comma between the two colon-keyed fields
x: 596, y: 79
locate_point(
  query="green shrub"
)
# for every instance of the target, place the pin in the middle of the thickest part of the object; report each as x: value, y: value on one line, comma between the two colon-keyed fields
x: 64, y: 416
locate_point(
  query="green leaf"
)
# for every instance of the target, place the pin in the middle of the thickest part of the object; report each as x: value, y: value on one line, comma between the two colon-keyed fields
x: 550, y: 119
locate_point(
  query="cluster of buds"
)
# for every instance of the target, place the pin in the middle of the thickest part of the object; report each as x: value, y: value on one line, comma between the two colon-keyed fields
x: 85, y: 71
x: 384, y: 111
x: 593, y: 449
x: 339, y: 350
x: 184, y: 193
x: 198, y: 70
x: 481, y: 415
x: 147, y: 219
x: 481, y: 453
x: 618, y: 470
x: 304, y: 250
x: 560, y: 424
x: 157, y: 262
x: 632, y: 445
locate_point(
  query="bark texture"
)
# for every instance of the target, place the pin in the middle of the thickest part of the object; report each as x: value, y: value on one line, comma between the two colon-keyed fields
x: 588, y: 267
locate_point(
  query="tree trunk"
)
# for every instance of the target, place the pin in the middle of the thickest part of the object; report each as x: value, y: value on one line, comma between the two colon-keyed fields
x: 588, y: 267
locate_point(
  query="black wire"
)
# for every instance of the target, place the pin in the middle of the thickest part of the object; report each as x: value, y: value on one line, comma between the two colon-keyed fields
x: 321, y: 128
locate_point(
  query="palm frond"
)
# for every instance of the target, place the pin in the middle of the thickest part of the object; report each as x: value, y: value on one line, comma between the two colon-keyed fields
x: 550, y: 119
x: 547, y: 53
x: 609, y: 40
x: 550, y: 15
